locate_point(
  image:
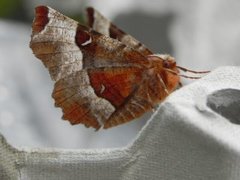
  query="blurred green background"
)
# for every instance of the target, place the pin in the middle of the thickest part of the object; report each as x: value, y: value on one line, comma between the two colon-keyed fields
x: 20, y: 10
x: 13, y: 9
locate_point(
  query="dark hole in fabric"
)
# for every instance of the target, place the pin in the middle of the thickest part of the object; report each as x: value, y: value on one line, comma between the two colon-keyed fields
x: 226, y: 102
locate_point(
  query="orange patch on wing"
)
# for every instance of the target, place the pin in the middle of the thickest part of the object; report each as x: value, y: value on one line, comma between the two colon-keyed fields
x: 77, y: 114
x: 114, y: 84
x: 74, y: 112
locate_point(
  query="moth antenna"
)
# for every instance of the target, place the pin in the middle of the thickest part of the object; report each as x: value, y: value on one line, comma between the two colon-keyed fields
x: 195, y: 72
x: 175, y: 73
x: 189, y: 77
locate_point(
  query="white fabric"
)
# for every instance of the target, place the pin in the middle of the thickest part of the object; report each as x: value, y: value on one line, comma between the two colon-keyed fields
x: 184, y: 139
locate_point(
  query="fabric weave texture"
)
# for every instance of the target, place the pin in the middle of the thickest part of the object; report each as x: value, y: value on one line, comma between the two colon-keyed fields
x: 184, y: 139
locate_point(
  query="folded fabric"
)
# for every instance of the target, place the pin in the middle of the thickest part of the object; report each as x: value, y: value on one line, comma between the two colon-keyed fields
x: 194, y: 134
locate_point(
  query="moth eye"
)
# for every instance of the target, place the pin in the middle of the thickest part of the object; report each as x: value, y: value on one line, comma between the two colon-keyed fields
x: 166, y: 64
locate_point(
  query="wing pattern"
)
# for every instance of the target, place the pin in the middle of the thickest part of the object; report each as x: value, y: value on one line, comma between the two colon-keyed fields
x: 102, y: 25
x: 101, y: 81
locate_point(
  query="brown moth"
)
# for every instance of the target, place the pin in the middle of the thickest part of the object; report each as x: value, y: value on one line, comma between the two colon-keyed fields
x: 104, y: 77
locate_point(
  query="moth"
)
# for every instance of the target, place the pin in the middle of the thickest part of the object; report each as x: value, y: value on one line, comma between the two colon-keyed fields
x: 104, y: 77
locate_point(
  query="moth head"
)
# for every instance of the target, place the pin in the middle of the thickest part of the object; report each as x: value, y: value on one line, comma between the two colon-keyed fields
x: 166, y: 69
x: 163, y: 61
x: 169, y: 71
x: 168, y: 63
